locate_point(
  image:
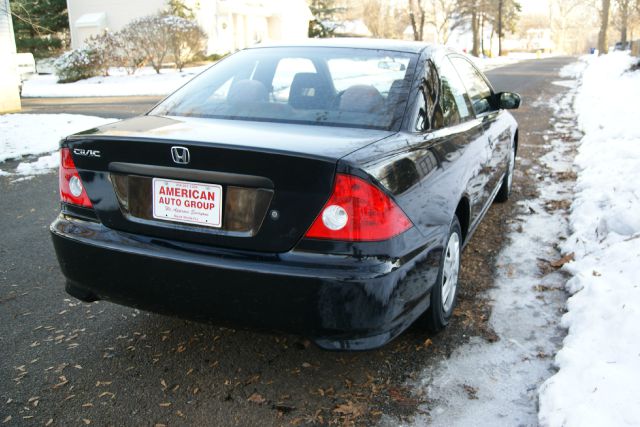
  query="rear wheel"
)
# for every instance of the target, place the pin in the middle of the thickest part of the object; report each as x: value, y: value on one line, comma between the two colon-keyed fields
x: 443, y: 294
x: 507, y: 181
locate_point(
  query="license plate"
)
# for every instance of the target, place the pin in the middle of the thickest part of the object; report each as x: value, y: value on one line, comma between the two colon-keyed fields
x: 187, y: 202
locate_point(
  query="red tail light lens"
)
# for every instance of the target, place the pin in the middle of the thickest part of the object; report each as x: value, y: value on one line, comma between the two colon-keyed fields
x: 358, y: 211
x: 71, y: 189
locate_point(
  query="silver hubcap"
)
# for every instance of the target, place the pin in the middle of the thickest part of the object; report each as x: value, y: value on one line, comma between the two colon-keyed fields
x: 512, y: 166
x: 450, y: 271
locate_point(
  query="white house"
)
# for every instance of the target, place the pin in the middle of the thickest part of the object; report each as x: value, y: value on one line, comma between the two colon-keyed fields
x: 230, y: 24
x: 9, y: 78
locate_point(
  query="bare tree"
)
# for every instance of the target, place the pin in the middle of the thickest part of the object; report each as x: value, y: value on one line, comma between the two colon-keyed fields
x: 441, y: 15
x: 375, y: 17
x: 378, y: 17
x: 623, y: 12
x: 604, y: 27
x: 564, y: 16
x: 438, y: 14
x: 575, y: 24
x: 471, y: 12
x: 417, y: 23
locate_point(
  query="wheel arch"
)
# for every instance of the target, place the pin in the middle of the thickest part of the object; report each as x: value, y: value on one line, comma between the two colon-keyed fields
x: 463, y: 212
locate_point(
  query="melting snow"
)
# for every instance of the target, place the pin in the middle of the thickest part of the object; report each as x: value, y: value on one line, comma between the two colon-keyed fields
x: 599, y: 378
x: 34, y: 134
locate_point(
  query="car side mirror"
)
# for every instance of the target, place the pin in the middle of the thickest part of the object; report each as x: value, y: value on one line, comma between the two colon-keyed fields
x: 508, y: 100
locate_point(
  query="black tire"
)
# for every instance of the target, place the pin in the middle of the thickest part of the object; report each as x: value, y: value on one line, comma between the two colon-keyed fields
x: 507, y: 181
x: 438, y: 315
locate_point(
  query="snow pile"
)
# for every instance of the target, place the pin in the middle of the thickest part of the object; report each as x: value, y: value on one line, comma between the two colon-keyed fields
x: 33, y: 134
x: 144, y: 82
x: 41, y: 166
x: 599, y: 378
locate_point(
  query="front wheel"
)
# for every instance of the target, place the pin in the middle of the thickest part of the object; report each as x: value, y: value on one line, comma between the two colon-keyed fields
x: 444, y: 292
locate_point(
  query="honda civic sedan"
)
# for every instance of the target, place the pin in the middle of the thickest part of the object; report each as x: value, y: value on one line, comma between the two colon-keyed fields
x: 324, y: 189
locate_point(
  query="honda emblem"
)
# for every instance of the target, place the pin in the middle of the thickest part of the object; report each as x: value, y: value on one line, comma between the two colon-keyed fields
x: 180, y: 155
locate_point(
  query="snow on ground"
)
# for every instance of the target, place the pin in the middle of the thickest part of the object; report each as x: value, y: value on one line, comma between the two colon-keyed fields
x: 144, y: 82
x: 34, y: 134
x: 599, y: 378
x: 489, y: 384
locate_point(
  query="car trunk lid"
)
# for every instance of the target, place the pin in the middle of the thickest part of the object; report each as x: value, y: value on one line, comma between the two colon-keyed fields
x: 273, y: 179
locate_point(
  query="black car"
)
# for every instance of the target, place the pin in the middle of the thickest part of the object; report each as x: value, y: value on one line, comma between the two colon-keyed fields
x: 325, y: 188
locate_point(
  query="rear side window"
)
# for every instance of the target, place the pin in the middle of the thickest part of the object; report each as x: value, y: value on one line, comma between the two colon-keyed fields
x: 478, y: 90
x: 428, y: 112
x: 455, y: 105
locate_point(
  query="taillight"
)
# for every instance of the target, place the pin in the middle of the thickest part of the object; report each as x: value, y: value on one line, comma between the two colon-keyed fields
x: 358, y: 211
x: 71, y: 189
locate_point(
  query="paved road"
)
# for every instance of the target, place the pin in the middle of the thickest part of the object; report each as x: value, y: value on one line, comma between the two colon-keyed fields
x: 99, y: 364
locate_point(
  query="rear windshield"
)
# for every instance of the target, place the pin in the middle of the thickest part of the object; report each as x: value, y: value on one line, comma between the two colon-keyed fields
x: 321, y: 86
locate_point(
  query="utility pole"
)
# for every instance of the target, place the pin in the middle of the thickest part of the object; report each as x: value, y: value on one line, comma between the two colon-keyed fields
x: 482, y: 34
x: 500, y: 3
x: 9, y: 77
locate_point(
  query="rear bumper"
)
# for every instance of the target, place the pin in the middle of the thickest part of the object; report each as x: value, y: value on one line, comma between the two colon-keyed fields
x: 341, y: 302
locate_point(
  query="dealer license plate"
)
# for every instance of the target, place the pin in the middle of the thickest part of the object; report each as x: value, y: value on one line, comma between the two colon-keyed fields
x: 187, y: 202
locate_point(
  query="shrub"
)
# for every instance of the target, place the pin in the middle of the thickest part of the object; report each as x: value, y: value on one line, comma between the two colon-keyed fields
x: 76, y: 65
x: 158, y: 38
x: 214, y: 57
x: 151, y: 36
x: 120, y: 49
x: 108, y: 51
x: 186, y: 39
x: 150, y: 40
x: 134, y: 55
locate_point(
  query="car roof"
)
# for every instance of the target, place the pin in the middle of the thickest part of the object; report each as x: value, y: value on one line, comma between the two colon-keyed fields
x: 352, y: 42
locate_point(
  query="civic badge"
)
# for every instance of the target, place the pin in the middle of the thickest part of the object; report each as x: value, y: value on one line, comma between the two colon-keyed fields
x: 180, y: 155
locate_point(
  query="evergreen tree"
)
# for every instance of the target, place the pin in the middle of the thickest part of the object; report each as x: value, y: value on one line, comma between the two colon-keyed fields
x: 179, y: 8
x: 40, y: 25
x: 505, y: 15
x: 501, y: 15
x: 323, y: 23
